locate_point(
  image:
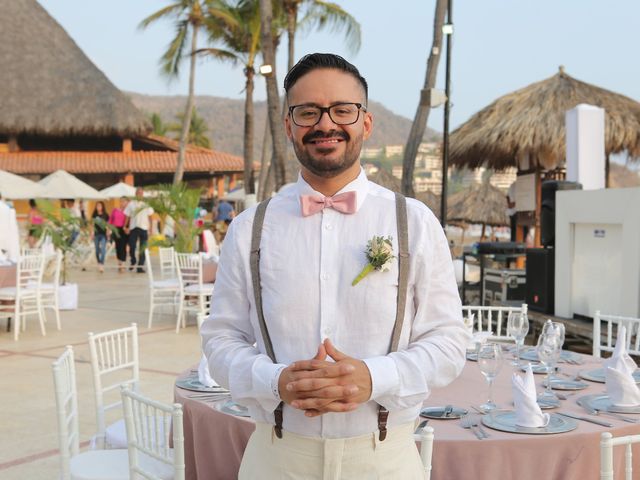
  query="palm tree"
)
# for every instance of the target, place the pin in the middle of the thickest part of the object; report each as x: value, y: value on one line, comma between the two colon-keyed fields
x: 319, y: 14
x: 198, y: 129
x: 188, y: 16
x: 159, y: 127
x: 240, y: 35
x: 424, y: 108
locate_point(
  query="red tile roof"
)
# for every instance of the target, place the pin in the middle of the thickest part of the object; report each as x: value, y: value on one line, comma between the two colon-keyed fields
x: 117, y: 162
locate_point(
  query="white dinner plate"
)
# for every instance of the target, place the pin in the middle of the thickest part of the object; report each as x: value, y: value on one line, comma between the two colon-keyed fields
x: 506, y: 422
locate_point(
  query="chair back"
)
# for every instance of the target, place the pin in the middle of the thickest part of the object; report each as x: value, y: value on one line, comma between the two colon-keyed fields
x: 604, y: 339
x: 167, y: 262
x: 57, y: 269
x: 607, y: 442
x: 30, y: 251
x: 64, y: 382
x: 189, y: 268
x: 425, y: 437
x: 149, y: 424
x: 492, y: 319
x: 114, y: 361
x: 210, y: 244
x: 29, y: 274
x: 148, y: 262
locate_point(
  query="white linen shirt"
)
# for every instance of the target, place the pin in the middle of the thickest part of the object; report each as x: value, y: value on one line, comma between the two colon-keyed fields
x: 307, y: 265
x: 139, y: 213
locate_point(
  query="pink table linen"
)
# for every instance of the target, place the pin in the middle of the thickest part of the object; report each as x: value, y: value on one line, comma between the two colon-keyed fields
x: 7, y: 276
x: 209, y: 269
x: 215, y: 441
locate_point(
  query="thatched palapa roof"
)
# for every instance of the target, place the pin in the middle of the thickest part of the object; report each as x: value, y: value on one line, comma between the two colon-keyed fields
x: 48, y: 86
x: 479, y: 204
x: 531, y: 123
x: 383, y: 178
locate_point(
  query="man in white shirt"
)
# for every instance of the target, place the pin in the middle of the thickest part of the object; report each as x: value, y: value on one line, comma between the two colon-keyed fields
x: 330, y: 339
x: 137, y: 226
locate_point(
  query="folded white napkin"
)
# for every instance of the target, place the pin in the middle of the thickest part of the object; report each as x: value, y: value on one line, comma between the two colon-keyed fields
x: 528, y: 413
x: 477, y: 339
x: 621, y: 386
x: 204, y: 377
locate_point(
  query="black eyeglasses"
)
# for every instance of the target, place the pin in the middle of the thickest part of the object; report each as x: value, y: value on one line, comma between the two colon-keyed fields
x: 340, y: 114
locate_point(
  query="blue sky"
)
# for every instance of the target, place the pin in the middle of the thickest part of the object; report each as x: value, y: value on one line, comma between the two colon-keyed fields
x: 498, y: 46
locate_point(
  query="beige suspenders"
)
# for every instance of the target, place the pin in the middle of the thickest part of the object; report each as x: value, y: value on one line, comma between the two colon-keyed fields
x: 403, y: 279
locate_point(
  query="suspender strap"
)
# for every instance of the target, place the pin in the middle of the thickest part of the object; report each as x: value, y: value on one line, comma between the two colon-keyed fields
x: 254, y: 262
x: 403, y: 280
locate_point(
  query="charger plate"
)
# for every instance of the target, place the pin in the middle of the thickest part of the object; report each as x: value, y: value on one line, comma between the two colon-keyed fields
x: 565, y: 384
x: 192, y: 383
x: 603, y: 402
x: 506, y: 422
x: 566, y: 356
x: 438, y: 413
x: 472, y: 356
x: 536, y: 368
x: 597, y: 375
x: 232, y: 408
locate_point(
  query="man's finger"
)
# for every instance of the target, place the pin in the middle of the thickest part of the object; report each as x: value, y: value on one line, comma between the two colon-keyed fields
x: 321, y: 354
x: 322, y: 369
x: 334, y: 407
x: 333, y: 352
x: 323, y: 388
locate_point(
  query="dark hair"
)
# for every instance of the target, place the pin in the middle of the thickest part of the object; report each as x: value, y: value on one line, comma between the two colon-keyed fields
x: 32, y: 203
x: 95, y: 208
x: 315, y: 61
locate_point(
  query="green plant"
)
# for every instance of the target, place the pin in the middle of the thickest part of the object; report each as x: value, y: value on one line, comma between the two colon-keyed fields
x: 180, y: 203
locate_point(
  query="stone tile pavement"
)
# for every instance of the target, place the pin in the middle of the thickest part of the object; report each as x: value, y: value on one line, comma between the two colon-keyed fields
x: 28, y: 427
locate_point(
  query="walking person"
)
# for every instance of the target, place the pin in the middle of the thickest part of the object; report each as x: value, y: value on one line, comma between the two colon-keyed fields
x: 345, y: 269
x: 117, y: 219
x: 34, y: 221
x: 100, y: 232
x: 137, y: 224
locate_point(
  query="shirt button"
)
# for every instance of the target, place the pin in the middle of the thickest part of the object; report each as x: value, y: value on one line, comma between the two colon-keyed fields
x: 325, y: 276
x: 328, y: 226
x: 327, y: 331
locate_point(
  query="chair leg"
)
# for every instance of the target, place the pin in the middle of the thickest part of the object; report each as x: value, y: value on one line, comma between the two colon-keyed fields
x: 40, y: 315
x: 56, y: 307
x: 180, y: 313
x: 16, y: 323
x: 150, y: 310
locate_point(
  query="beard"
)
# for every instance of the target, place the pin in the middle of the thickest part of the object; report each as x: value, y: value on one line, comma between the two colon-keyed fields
x: 321, y: 165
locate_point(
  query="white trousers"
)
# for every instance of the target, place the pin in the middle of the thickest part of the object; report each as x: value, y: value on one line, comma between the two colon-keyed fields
x: 359, y: 458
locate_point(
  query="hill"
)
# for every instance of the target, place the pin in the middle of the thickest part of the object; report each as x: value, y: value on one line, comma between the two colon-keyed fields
x: 225, y: 117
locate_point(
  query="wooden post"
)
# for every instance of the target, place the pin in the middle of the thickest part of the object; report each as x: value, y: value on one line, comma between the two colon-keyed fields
x: 537, y: 242
x: 126, y: 145
x: 211, y: 187
x: 220, y: 186
x: 13, y: 144
x: 232, y: 181
x: 128, y: 179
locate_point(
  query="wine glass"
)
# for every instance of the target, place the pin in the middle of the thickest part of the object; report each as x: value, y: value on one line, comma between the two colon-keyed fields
x: 548, y: 349
x: 517, y: 328
x: 490, y: 363
x: 555, y: 328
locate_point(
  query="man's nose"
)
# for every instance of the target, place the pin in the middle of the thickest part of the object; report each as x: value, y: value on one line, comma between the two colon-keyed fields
x: 325, y: 121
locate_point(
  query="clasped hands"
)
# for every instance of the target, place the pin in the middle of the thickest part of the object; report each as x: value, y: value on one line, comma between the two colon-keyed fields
x: 318, y: 386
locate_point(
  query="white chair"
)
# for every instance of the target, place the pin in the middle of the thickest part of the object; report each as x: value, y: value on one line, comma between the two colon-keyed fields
x: 608, y: 342
x: 114, y: 361
x: 210, y: 245
x: 94, y: 464
x: 193, y: 291
x: 165, y: 292
x: 49, y: 291
x: 149, y: 424
x: 607, y: 442
x: 492, y: 319
x: 168, y: 269
x: 25, y: 296
x: 425, y: 437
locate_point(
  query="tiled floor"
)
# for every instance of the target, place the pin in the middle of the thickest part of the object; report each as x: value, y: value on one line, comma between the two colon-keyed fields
x: 28, y: 429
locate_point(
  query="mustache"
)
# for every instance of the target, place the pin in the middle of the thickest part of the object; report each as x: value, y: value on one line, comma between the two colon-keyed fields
x: 309, y: 137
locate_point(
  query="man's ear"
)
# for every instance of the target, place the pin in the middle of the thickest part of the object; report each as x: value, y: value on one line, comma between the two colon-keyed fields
x: 368, y: 125
x: 287, y: 127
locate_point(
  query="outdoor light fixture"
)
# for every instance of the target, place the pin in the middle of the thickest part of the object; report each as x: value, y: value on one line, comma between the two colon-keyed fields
x: 447, y: 29
x: 266, y: 70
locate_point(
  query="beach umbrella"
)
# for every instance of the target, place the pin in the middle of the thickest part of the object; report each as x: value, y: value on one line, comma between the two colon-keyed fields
x: 237, y: 195
x: 118, y: 190
x: 528, y: 125
x: 61, y: 184
x: 15, y: 187
x: 481, y: 204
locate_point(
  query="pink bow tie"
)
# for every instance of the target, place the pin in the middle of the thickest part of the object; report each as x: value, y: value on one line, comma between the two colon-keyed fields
x: 342, y: 202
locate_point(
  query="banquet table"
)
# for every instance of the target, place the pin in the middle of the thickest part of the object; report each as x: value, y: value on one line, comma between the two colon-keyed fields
x: 209, y: 269
x: 215, y: 441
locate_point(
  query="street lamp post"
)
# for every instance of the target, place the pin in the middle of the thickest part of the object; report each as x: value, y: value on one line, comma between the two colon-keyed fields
x: 447, y: 29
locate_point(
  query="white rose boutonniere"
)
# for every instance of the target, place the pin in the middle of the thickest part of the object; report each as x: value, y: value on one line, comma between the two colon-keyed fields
x: 379, y: 254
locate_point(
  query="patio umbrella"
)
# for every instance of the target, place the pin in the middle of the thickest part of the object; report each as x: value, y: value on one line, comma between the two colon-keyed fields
x: 480, y: 204
x: 15, y: 187
x: 530, y: 123
x: 118, y: 190
x: 61, y: 184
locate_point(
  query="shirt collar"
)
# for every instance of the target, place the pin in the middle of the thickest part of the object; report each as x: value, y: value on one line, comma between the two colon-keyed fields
x: 360, y: 185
